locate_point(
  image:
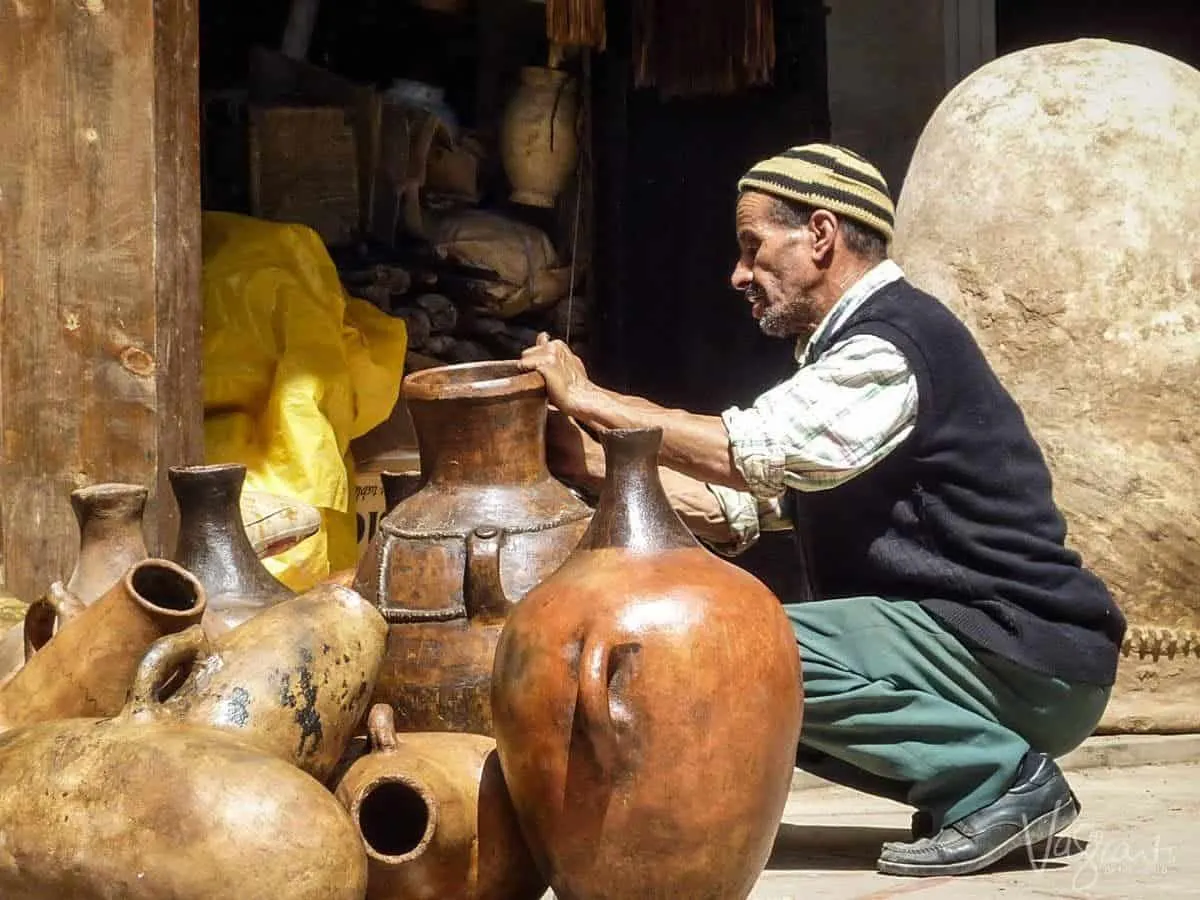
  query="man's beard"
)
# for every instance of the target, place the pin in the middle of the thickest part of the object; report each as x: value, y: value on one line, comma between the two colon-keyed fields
x: 791, y: 318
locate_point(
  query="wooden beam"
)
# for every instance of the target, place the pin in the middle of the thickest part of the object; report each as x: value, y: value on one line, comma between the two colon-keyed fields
x: 99, y: 267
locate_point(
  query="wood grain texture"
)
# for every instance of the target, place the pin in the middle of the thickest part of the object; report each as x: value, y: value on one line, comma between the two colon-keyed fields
x: 99, y: 256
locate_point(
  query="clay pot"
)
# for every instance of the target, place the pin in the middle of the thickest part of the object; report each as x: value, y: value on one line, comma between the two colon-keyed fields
x: 538, y: 143
x: 110, y: 542
x: 86, y: 668
x: 487, y: 523
x: 96, y: 809
x: 294, y: 681
x: 647, y: 702
x: 213, y: 545
x: 436, y: 819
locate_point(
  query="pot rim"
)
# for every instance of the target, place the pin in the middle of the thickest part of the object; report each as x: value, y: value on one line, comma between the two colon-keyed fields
x: 431, y: 819
x: 496, y: 378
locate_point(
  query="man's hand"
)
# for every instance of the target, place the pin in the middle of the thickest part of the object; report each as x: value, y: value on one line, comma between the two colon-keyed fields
x: 567, y: 381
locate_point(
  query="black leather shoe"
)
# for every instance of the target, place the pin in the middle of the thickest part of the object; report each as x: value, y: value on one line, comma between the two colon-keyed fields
x: 1038, y: 806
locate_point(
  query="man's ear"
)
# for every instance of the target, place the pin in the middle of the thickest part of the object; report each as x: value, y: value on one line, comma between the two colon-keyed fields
x: 824, y: 225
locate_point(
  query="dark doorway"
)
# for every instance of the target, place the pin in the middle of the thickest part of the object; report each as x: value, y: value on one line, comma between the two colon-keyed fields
x: 1168, y: 26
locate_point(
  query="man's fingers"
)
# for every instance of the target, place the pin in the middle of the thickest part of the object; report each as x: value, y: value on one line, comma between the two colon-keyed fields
x: 543, y: 339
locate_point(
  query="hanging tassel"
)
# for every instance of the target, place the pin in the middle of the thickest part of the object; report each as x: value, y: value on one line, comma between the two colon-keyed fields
x: 726, y: 45
x: 578, y: 23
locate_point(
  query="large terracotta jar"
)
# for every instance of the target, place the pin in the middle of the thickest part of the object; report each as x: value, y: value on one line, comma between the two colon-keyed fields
x: 96, y: 809
x: 214, y: 546
x: 647, y: 702
x: 436, y: 819
x: 487, y: 524
x: 87, y: 667
x: 294, y: 681
x: 538, y: 143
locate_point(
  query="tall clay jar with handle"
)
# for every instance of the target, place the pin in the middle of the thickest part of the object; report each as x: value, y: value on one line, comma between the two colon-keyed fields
x: 647, y: 702
x: 449, y: 561
x: 436, y: 819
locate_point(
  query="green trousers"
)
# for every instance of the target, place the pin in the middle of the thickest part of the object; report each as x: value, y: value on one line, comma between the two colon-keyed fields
x: 895, y: 698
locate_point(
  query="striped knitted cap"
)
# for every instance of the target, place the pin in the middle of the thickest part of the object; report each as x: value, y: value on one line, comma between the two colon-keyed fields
x: 827, y: 177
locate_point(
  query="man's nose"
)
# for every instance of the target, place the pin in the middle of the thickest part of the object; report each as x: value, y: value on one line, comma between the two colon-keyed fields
x: 741, y: 277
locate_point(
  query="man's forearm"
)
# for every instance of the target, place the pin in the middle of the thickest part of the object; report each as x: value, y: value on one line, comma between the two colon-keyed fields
x: 694, y: 445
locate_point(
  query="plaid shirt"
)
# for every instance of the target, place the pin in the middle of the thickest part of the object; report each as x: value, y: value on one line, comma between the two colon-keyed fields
x: 835, y: 417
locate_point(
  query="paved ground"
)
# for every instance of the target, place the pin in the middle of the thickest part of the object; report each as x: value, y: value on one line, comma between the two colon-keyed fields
x: 1138, y: 838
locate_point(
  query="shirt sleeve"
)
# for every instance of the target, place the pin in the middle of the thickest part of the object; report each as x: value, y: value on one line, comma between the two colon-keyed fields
x: 748, y: 517
x: 834, y: 418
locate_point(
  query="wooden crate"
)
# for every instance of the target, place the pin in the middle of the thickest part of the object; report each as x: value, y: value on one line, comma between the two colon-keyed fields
x: 304, y: 167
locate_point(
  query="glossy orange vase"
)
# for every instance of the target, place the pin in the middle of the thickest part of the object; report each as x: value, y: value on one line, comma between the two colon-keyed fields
x: 647, y: 702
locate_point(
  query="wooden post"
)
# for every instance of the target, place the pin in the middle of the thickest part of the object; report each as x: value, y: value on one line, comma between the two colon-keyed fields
x: 99, y: 267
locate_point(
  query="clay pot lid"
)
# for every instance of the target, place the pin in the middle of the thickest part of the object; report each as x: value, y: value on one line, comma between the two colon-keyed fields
x: 470, y: 381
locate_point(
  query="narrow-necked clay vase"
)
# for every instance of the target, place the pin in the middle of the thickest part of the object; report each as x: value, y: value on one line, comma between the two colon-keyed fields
x: 436, y: 819
x: 110, y: 542
x: 214, y: 546
x: 99, y: 809
x: 294, y: 681
x: 86, y: 668
x: 487, y: 523
x: 647, y: 701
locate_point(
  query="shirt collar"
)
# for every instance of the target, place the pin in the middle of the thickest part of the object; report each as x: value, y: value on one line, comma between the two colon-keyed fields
x: 877, y: 277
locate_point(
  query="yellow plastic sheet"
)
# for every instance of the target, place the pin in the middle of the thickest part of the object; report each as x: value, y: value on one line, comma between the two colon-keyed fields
x: 294, y: 369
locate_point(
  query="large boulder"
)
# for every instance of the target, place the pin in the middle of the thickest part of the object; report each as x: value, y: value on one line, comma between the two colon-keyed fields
x: 1053, y: 201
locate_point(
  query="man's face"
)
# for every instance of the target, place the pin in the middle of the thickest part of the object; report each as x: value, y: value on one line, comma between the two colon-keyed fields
x: 776, y: 269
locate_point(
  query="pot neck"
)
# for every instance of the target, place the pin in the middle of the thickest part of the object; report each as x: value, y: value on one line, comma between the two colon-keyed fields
x: 633, y: 512
x: 210, y: 517
x: 496, y: 440
x: 108, y: 513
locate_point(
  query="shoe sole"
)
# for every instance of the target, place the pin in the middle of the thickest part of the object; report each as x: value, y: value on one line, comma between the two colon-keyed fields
x: 1036, y: 832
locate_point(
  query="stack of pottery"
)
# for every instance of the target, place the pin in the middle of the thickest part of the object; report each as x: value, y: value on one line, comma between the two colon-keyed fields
x: 205, y: 785
x: 644, y: 695
x: 143, y: 755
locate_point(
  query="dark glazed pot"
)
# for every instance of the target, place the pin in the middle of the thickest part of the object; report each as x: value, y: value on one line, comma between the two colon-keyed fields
x: 436, y: 819
x: 214, y: 547
x: 647, y: 701
x: 487, y: 523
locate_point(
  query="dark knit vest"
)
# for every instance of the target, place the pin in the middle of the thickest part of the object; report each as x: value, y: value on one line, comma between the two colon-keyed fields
x: 960, y: 517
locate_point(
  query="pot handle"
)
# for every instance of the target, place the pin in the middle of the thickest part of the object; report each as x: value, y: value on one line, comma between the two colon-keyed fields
x: 381, y: 725
x: 598, y: 666
x: 56, y: 607
x: 483, y: 592
x: 164, y: 659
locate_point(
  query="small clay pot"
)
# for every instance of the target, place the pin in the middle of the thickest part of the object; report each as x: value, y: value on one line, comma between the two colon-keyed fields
x: 294, y: 681
x: 86, y: 668
x: 436, y: 819
x: 110, y: 542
